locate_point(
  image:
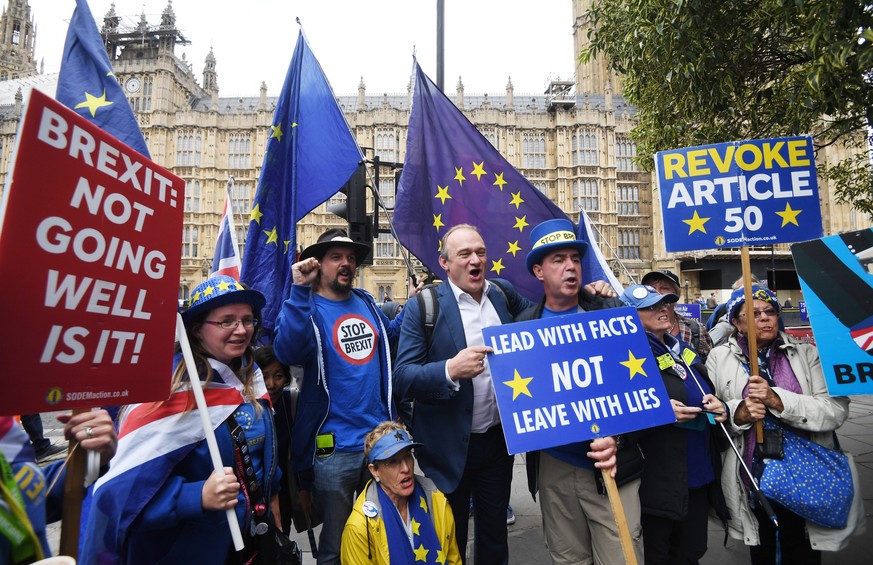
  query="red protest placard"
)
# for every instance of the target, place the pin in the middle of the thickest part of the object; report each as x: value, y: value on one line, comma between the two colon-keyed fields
x: 89, y: 268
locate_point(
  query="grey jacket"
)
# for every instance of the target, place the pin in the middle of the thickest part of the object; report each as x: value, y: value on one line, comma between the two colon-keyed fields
x: 813, y: 411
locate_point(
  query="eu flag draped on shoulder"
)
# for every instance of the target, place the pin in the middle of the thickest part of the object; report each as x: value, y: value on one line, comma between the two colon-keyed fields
x: 310, y: 154
x: 226, y: 260
x: 453, y: 175
x: 87, y: 84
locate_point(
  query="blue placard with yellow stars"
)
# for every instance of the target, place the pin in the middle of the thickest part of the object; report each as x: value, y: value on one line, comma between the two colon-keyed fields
x: 757, y: 192
x: 573, y: 378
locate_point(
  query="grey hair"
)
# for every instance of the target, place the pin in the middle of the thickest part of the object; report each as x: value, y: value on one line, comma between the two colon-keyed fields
x: 444, y: 253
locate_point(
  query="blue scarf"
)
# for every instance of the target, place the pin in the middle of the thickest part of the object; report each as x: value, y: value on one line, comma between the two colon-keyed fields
x: 426, y: 547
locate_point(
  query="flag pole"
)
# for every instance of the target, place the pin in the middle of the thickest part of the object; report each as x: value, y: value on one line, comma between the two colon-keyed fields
x: 202, y: 409
x: 231, y: 183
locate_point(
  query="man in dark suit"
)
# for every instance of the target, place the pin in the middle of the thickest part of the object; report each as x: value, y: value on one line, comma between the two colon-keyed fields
x: 456, y: 416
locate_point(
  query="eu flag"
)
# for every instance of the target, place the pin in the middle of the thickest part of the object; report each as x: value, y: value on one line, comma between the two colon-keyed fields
x: 453, y: 175
x: 87, y: 84
x: 310, y: 154
x: 594, y: 266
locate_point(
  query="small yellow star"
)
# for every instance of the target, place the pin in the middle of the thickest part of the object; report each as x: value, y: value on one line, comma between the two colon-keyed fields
x: 272, y: 237
x: 287, y: 243
x: 421, y: 553
x: 459, y: 176
x: 208, y: 291
x: 788, y: 215
x: 442, y: 193
x: 513, y: 247
x: 293, y: 124
x: 438, y: 221
x: 413, y: 525
x: 499, y: 182
x: 195, y: 297
x: 276, y: 131
x: 422, y: 502
x: 497, y: 266
x: 239, y: 286
x: 478, y: 170
x: 521, y: 223
x: 441, y: 556
x: 93, y: 103
x: 256, y: 214
x: 696, y: 223
x: 519, y: 385
x: 516, y: 199
x: 635, y: 365
x: 223, y: 285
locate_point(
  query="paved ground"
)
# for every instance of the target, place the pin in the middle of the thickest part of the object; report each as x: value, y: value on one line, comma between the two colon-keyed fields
x: 525, y: 536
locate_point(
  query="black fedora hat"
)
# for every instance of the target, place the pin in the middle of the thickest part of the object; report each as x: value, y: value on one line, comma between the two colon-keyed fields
x: 335, y: 237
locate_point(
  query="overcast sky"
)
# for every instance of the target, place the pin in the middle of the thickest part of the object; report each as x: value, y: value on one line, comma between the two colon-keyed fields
x: 487, y: 41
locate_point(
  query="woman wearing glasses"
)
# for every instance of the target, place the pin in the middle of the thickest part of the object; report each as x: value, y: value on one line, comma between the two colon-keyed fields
x: 790, y: 388
x: 161, y: 501
x: 400, y: 518
x: 682, y: 462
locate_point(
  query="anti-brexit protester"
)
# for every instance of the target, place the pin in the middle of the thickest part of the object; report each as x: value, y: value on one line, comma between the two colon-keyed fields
x: 162, y: 501
x: 683, y: 463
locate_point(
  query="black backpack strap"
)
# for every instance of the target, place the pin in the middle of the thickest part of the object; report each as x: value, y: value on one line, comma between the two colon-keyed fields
x: 695, y: 335
x: 429, y: 307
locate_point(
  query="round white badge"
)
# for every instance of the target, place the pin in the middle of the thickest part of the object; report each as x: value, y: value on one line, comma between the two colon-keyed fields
x: 355, y: 339
x: 640, y: 292
x: 369, y: 509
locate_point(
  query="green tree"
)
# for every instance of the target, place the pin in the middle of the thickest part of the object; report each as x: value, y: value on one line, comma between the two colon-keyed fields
x: 710, y: 71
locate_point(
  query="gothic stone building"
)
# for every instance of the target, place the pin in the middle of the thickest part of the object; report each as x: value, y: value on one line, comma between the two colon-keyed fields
x: 572, y: 142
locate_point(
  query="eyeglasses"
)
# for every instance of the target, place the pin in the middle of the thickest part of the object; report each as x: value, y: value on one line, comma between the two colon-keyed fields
x: 770, y: 312
x: 395, y: 460
x: 656, y: 307
x: 247, y: 323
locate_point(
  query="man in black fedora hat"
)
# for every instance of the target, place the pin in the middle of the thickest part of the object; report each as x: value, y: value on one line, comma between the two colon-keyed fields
x: 340, y: 337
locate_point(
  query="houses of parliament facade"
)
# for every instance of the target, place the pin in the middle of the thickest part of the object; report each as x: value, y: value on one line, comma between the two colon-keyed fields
x: 572, y: 142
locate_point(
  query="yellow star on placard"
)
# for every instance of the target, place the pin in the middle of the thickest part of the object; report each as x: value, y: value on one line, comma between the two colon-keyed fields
x: 422, y: 502
x: 276, y: 131
x: 442, y: 193
x: 413, y: 525
x: 696, y: 223
x: 256, y: 214
x: 478, y: 170
x: 93, y: 102
x: 788, y: 215
x: 635, y: 365
x: 459, y: 176
x: 223, y: 285
x: 438, y: 221
x: 513, y: 247
x: 421, y: 553
x: 517, y: 199
x: 272, y: 237
x: 519, y: 385
x: 497, y: 266
x: 499, y: 182
x: 521, y: 223
x: 441, y: 556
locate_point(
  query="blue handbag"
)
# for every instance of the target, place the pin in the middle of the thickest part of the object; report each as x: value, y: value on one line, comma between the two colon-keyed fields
x: 811, y: 480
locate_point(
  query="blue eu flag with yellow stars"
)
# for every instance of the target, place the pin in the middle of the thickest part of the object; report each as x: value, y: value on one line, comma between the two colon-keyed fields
x: 453, y: 175
x: 87, y: 84
x: 310, y: 154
